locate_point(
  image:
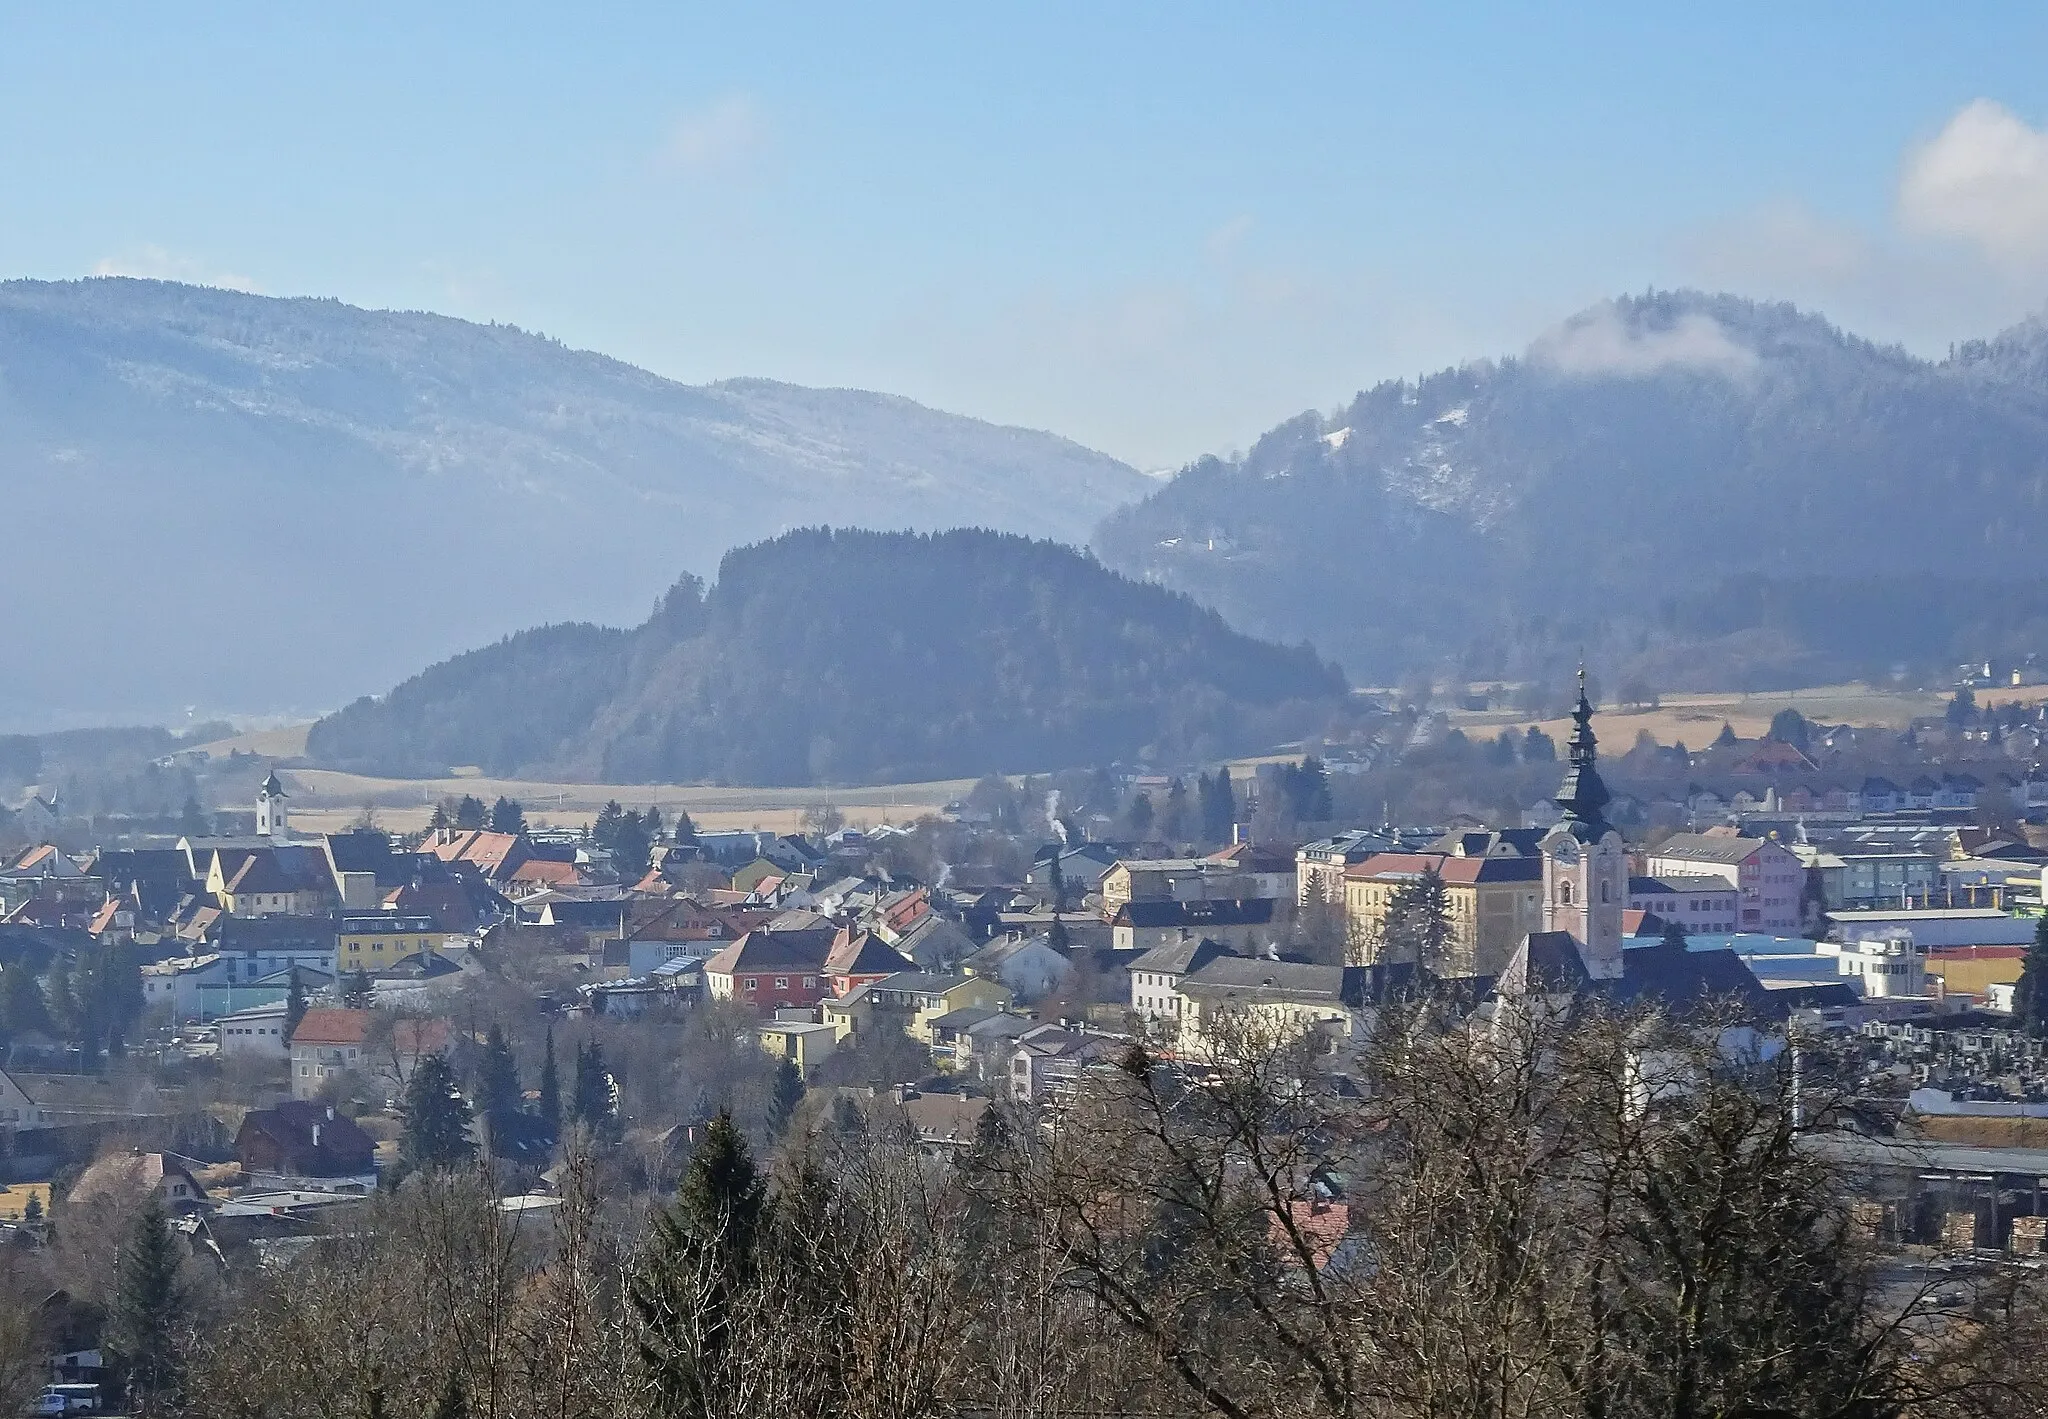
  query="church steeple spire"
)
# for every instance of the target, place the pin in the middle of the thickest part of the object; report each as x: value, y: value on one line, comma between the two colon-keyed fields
x: 1582, y: 795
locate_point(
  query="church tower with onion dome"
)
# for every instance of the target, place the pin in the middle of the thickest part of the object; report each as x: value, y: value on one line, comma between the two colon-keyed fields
x: 270, y: 814
x: 1585, y: 863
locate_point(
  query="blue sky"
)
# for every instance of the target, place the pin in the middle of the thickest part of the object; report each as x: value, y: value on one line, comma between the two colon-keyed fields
x: 1158, y: 229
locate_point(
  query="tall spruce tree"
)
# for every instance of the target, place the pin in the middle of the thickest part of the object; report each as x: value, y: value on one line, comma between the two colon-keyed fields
x: 786, y: 1095
x: 592, y: 1102
x: 356, y: 989
x: 550, y: 1088
x: 2030, y: 996
x: 1174, y: 824
x: 294, y: 1003
x: 1219, y: 807
x: 701, y: 1252
x: 497, y: 1077
x: 148, y: 1308
x: 1419, y: 926
x: 508, y: 816
x: 436, y: 1133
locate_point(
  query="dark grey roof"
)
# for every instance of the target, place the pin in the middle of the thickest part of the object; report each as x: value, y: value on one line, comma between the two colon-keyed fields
x: 1705, y: 847
x: 1294, y: 978
x: 1677, y: 978
x: 965, y: 1018
x: 1178, y: 958
x: 1000, y: 1026
x: 1673, y: 883
x: 1546, y: 963
x: 1494, y: 842
x: 1253, y: 911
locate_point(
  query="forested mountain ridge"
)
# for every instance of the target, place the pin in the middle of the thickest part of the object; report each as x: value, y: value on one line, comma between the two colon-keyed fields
x: 346, y: 494
x: 1699, y: 488
x: 846, y: 656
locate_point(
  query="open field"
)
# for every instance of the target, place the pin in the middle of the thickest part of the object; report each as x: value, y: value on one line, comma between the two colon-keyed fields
x: 323, y: 800
x: 286, y: 741
x: 1696, y: 719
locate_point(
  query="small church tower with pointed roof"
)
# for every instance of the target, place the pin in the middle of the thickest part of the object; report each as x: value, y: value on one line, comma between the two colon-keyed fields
x: 270, y: 815
x: 1585, y: 864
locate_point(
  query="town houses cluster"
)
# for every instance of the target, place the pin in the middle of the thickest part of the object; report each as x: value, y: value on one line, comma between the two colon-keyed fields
x: 312, y: 977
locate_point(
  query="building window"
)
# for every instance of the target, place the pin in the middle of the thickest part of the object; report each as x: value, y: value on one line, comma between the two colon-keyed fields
x: 753, y: 983
x: 782, y: 982
x: 1564, y: 892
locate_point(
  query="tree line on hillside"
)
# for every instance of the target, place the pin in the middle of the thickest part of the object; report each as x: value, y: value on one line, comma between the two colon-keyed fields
x: 842, y: 657
x: 1530, y: 475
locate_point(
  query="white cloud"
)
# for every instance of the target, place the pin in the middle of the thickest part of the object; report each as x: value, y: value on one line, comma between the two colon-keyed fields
x: 156, y: 264
x: 1965, y: 251
x: 726, y: 134
x: 1982, y: 179
x: 1600, y: 342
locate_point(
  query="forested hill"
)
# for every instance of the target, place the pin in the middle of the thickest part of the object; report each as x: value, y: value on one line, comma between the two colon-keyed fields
x: 848, y: 656
x: 1697, y: 489
x: 308, y: 498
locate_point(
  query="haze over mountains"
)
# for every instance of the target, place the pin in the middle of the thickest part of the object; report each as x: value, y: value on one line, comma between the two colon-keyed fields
x: 849, y: 657
x: 260, y: 505
x: 250, y: 504
x: 1700, y: 490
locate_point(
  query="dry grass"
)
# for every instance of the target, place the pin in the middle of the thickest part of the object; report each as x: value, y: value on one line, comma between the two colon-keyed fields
x: 284, y: 742
x: 1697, y: 719
x: 324, y: 800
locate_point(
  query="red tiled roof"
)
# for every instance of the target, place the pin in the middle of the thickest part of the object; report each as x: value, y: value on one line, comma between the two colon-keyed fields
x: 1320, y: 1225
x: 1456, y: 871
x: 862, y: 953
x: 553, y: 874
x: 332, y: 1027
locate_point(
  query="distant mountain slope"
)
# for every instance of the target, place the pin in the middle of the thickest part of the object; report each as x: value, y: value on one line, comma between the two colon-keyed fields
x: 260, y: 504
x: 1697, y: 488
x: 845, y: 656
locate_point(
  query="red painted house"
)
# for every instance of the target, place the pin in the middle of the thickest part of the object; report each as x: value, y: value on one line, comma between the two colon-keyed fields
x: 861, y: 958
x: 769, y: 970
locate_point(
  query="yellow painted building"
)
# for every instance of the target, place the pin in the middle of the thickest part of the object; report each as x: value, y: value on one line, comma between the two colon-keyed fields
x: 1494, y: 902
x: 805, y: 1044
x: 377, y: 941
